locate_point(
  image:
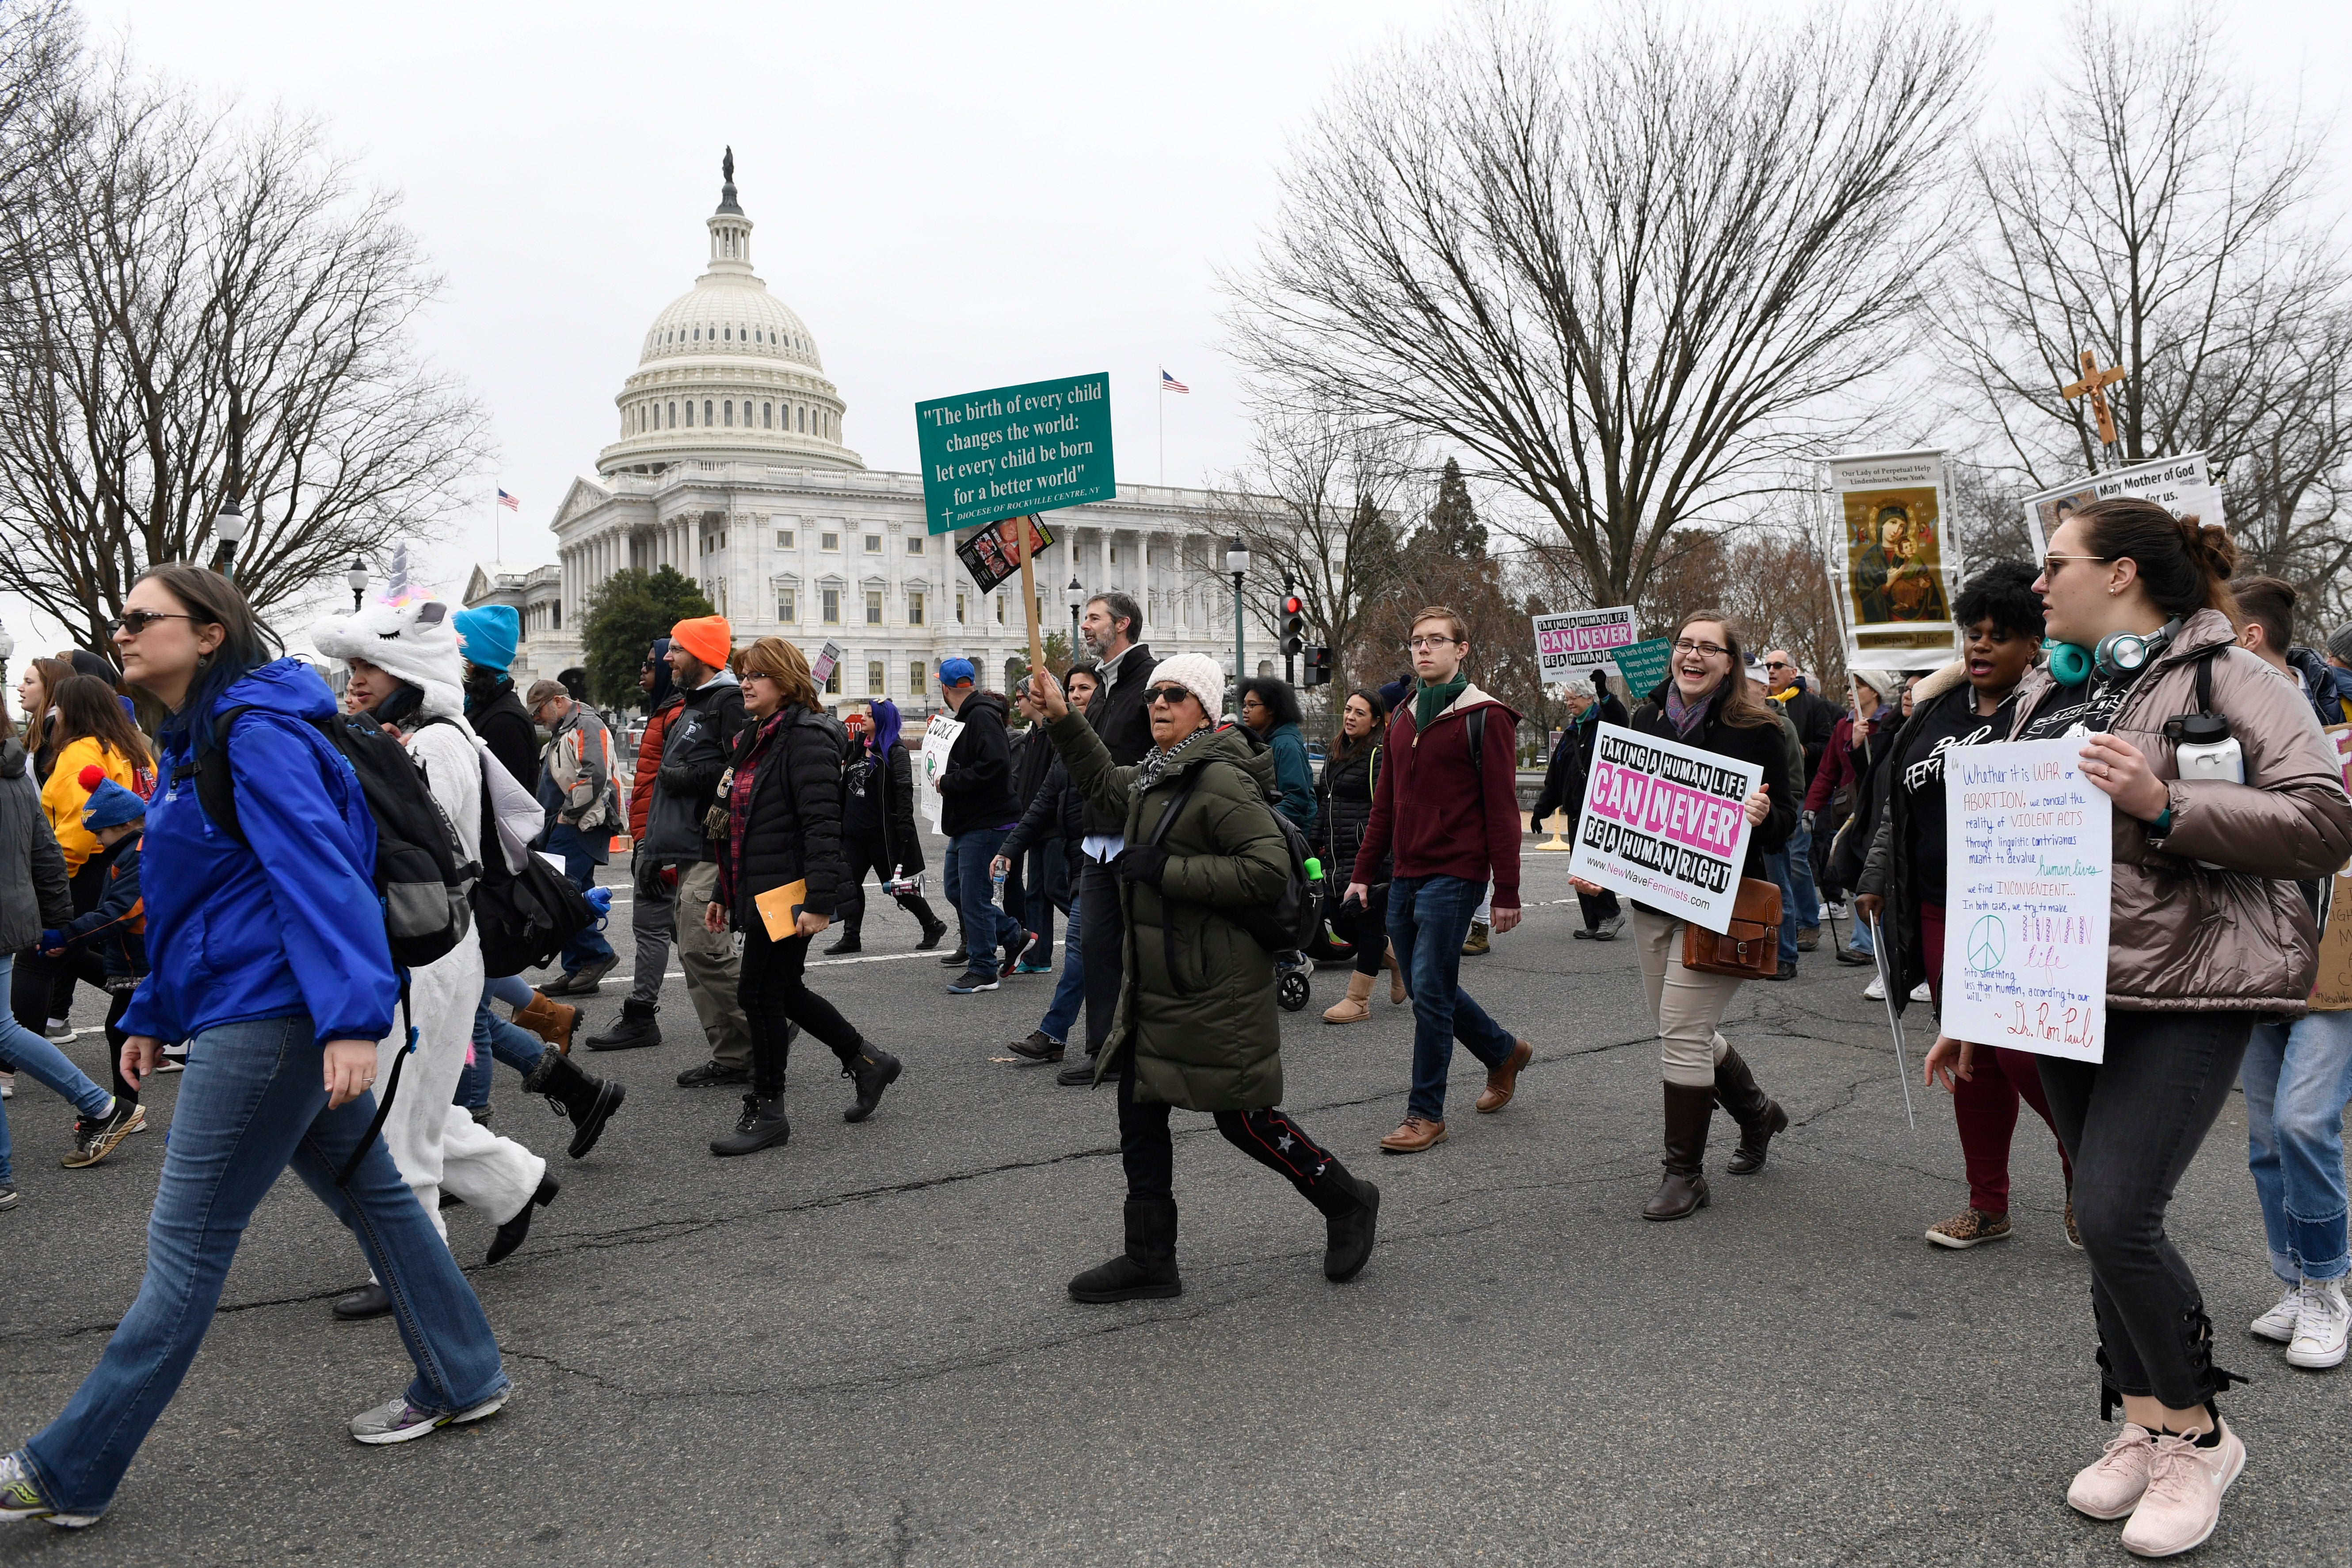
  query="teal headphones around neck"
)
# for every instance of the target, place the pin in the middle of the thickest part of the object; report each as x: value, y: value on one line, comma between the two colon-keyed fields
x: 2117, y: 654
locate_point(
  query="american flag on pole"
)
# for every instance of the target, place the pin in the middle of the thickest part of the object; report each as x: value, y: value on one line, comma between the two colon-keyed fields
x: 509, y: 501
x: 1169, y: 383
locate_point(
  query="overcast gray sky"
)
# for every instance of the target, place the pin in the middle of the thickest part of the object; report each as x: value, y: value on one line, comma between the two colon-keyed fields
x: 951, y: 195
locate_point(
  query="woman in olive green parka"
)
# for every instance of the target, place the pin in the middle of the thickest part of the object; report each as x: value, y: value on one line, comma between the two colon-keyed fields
x: 1197, y: 1024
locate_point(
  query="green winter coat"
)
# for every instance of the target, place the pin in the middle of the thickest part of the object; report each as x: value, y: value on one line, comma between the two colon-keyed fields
x: 1196, y: 992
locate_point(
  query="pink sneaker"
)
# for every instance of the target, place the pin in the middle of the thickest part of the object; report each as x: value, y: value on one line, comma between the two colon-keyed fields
x: 2109, y: 1487
x: 2183, y: 1500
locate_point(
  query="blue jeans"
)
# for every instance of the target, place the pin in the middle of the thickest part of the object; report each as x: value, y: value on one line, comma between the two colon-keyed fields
x: 2297, y: 1079
x: 579, y: 863
x: 972, y: 890
x: 1070, y: 990
x: 37, y: 1059
x: 1429, y: 917
x: 494, y: 1039
x: 250, y: 1104
x: 1029, y: 889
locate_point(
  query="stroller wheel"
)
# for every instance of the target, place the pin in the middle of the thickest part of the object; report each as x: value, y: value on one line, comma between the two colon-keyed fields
x: 1293, y: 992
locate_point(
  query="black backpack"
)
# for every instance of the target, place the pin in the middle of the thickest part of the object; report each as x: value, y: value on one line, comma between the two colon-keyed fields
x: 422, y: 873
x: 522, y: 918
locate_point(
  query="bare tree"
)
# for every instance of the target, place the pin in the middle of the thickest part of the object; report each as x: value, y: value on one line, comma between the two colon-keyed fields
x: 192, y: 302
x: 1316, y: 502
x: 1627, y: 277
x: 2148, y: 209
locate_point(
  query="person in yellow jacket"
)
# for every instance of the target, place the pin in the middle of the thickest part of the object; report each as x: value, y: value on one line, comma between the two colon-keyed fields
x: 91, y: 730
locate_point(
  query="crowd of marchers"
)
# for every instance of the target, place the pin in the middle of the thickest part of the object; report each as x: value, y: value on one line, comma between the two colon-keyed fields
x: 313, y: 910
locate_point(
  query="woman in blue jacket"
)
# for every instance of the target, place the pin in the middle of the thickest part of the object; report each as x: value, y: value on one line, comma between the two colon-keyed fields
x: 1270, y: 708
x: 271, y: 963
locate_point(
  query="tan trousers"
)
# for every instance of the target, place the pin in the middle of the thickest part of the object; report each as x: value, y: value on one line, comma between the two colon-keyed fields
x: 711, y: 967
x: 1687, y: 1004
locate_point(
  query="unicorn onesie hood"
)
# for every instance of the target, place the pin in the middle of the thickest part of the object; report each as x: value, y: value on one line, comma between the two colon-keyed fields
x: 415, y: 643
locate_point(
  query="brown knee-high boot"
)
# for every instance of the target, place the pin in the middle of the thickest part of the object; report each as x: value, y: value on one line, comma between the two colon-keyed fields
x: 1688, y: 1110
x: 1759, y: 1114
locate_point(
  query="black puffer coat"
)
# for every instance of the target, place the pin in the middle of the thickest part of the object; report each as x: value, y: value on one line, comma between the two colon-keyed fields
x: 901, y: 844
x: 1059, y: 811
x: 1343, y: 809
x: 497, y: 716
x: 792, y: 827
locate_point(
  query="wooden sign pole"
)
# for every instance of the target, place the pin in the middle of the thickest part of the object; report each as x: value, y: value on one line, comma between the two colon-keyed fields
x: 1029, y: 596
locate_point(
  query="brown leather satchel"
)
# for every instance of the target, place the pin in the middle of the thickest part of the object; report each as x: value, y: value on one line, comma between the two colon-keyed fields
x: 1750, y: 950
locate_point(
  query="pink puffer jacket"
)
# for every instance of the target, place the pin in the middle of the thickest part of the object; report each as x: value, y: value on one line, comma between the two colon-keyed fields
x: 2239, y: 940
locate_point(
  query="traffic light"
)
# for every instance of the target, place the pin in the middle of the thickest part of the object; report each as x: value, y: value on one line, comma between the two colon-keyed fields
x: 1294, y: 625
x: 1319, y: 667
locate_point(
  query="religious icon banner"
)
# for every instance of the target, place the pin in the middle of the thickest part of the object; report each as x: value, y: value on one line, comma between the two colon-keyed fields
x: 2179, y: 485
x: 1894, y: 564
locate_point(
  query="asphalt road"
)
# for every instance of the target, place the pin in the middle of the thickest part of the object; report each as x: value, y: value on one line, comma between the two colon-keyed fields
x: 857, y: 1349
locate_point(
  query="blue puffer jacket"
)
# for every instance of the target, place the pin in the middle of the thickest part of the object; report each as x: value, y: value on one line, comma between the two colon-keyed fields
x: 290, y: 925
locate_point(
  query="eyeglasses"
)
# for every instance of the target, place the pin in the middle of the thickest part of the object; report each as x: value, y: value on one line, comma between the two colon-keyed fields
x: 2049, y: 562
x: 1417, y: 643
x: 1684, y: 645
x: 132, y: 622
x: 1170, y: 695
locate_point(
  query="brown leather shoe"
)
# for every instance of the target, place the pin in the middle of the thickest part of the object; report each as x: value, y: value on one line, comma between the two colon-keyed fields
x: 1503, y: 1082
x: 551, y: 1021
x: 1414, y: 1136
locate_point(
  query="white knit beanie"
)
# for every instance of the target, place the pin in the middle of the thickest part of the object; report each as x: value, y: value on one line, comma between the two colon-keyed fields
x: 1196, y: 673
x: 414, y: 642
x: 1887, y: 683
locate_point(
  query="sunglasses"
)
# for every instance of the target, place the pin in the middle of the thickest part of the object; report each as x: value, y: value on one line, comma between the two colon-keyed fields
x: 132, y: 622
x: 2049, y: 563
x: 1170, y: 695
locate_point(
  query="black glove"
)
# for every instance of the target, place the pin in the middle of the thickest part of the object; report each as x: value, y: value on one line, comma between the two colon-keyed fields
x: 1145, y: 863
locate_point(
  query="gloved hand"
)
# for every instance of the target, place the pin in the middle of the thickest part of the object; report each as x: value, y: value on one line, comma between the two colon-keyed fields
x: 1809, y: 822
x: 53, y: 942
x: 1145, y: 863
x: 600, y: 900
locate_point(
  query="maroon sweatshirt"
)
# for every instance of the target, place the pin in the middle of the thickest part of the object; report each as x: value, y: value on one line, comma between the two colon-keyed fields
x: 1438, y: 816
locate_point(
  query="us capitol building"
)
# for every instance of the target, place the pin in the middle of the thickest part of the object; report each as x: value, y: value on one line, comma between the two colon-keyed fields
x: 732, y: 466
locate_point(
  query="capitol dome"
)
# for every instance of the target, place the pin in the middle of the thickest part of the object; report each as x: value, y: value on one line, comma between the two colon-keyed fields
x: 728, y: 371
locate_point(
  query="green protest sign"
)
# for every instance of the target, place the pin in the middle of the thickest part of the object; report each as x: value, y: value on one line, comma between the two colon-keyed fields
x: 1010, y: 450
x: 1644, y: 664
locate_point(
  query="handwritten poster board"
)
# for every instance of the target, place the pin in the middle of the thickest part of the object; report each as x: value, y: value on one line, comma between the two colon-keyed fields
x: 2333, y: 993
x: 1893, y: 561
x: 1663, y: 822
x: 938, y: 739
x: 1570, y: 647
x: 2028, y: 876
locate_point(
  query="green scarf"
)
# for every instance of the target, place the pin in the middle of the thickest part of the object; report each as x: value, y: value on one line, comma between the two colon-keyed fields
x: 1429, y: 702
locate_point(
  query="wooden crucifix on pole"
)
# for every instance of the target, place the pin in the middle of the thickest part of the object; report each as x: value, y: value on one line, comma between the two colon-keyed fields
x: 2094, y: 385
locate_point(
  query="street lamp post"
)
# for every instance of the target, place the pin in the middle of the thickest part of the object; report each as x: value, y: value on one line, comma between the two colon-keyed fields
x: 357, y: 578
x: 1076, y: 595
x: 1237, y: 562
x: 228, y: 528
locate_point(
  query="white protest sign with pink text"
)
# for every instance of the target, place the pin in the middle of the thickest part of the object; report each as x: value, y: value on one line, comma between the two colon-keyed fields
x: 1665, y: 824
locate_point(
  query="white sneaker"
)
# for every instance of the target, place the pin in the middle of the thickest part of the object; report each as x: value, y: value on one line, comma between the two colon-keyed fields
x: 2322, y: 1321
x: 61, y: 1033
x: 1921, y: 993
x: 2109, y: 1486
x: 2183, y: 1499
x: 8, y: 1085
x: 2278, y: 1323
x: 1875, y: 991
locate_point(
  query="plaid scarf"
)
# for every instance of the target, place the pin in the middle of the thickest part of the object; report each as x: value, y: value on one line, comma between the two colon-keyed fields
x: 739, y: 805
x: 1686, y: 716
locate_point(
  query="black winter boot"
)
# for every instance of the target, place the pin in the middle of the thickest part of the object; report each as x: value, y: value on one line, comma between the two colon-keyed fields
x: 588, y: 1101
x: 635, y: 1030
x: 511, y: 1235
x: 872, y: 1069
x: 1351, y: 1207
x: 1146, y: 1269
x: 762, y: 1123
x: 848, y: 941
x: 1759, y: 1114
x: 1684, y: 1190
x: 934, y: 928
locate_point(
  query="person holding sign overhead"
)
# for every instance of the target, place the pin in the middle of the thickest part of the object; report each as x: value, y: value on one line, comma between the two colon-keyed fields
x: 2209, y: 933
x: 1707, y: 701
x: 1902, y: 884
x: 780, y: 877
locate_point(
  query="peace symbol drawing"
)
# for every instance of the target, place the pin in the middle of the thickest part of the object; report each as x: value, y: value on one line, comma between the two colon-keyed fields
x: 1987, y: 943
